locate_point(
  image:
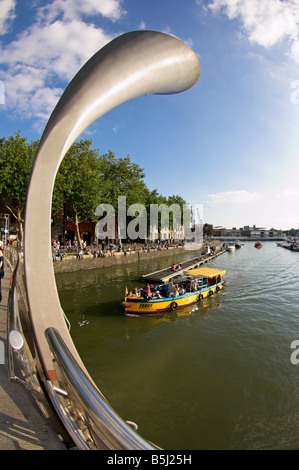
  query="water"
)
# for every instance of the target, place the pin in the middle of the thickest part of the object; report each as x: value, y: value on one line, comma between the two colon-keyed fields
x: 214, y: 376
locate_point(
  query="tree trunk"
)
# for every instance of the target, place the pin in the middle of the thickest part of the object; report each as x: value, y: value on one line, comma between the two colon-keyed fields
x: 78, y: 231
x: 21, y: 231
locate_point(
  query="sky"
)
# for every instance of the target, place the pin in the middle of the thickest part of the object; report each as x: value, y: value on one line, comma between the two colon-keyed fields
x: 229, y: 144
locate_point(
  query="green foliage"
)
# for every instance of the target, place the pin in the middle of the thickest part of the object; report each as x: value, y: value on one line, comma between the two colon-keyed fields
x: 121, y: 177
x: 208, y: 230
x: 16, y: 159
x: 84, y: 180
x: 77, y: 181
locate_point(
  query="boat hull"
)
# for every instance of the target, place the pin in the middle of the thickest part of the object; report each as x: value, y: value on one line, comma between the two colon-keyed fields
x: 136, y: 306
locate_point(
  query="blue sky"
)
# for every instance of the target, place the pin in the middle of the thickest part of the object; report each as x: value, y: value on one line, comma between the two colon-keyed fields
x: 229, y: 143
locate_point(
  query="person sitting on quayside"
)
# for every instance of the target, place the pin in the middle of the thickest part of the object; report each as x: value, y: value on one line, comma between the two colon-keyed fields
x: 172, y: 267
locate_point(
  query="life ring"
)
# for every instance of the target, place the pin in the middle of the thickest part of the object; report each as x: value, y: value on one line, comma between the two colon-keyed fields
x: 200, y: 297
x: 211, y: 293
x: 173, y: 305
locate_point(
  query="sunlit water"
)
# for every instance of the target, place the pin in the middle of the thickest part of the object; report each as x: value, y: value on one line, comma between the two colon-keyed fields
x: 216, y: 375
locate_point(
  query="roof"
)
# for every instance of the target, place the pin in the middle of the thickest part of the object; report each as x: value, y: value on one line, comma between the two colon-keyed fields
x: 209, y: 272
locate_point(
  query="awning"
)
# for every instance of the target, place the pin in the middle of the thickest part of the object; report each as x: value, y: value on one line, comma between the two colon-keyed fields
x: 208, y: 272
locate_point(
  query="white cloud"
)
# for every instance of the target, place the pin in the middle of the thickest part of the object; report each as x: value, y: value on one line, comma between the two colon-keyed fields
x: 274, y: 207
x: 48, y: 54
x: 142, y: 25
x: 60, y: 48
x: 266, y: 22
x: 7, y: 14
x: 291, y: 194
x: 74, y: 9
x: 232, y: 197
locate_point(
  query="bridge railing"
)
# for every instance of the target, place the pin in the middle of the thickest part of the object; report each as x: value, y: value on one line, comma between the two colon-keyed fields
x: 80, y: 410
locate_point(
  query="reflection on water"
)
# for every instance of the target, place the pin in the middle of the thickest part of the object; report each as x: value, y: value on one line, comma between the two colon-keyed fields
x: 214, y: 375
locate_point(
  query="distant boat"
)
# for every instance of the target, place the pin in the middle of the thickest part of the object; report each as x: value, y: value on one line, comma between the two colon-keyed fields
x: 231, y: 246
x: 258, y: 244
x: 238, y: 244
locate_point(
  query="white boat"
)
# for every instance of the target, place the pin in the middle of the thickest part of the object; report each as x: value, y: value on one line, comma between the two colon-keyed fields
x: 231, y: 246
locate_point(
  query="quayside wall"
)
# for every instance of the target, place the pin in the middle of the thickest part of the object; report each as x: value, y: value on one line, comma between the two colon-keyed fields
x: 71, y: 263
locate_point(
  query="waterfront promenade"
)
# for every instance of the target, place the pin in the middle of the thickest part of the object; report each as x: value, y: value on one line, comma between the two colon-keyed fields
x: 22, y: 426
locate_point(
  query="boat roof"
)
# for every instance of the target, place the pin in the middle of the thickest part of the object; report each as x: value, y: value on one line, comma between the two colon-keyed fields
x: 208, y: 272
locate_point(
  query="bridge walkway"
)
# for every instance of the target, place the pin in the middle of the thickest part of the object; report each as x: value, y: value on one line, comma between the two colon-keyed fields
x: 22, y: 425
x: 164, y: 275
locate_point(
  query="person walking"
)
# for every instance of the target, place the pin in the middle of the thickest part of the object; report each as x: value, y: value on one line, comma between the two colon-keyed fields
x: 1, y: 270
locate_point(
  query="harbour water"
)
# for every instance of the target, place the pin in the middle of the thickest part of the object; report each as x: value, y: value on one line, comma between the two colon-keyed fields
x: 217, y: 375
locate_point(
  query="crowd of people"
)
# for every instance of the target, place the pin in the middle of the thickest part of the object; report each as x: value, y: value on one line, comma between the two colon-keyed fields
x: 105, y: 249
x: 167, y: 290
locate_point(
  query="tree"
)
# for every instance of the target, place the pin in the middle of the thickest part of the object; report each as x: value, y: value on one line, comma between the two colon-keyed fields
x: 16, y: 159
x: 121, y: 177
x: 78, y: 184
x: 208, y: 230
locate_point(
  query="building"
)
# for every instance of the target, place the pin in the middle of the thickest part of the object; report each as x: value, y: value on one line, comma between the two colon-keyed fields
x: 246, y: 232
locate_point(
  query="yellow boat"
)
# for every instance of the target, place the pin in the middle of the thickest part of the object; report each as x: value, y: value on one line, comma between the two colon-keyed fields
x: 196, y: 285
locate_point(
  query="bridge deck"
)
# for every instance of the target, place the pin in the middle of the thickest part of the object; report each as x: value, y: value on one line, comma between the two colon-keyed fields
x: 22, y: 426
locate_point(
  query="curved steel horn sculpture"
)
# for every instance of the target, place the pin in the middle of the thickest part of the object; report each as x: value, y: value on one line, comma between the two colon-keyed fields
x: 134, y: 64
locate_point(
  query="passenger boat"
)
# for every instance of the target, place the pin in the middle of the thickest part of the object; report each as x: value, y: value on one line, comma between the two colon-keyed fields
x: 231, y: 246
x: 258, y: 244
x: 195, y: 285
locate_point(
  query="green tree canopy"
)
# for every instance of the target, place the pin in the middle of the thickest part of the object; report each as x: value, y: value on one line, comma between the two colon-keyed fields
x: 16, y: 159
x: 121, y: 177
x: 77, y: 183
x: 208, y: 230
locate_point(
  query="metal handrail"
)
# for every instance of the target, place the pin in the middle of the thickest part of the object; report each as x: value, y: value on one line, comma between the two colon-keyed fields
x: 83, y: 411
x: 105, y: 427
x: 13, y: 326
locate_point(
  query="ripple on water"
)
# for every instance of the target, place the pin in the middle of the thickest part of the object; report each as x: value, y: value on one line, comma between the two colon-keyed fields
x: 216, y: 375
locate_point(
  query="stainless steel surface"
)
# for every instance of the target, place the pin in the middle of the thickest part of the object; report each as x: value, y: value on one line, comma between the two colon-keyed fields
x: 134, y: 64
x: 105, y: 428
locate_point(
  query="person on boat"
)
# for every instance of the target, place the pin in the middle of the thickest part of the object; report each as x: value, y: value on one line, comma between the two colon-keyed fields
x: 146, y: 291
x: 174, y: 292
x: 157, y: 295
x: 135, y: 291
x: 163, y: 290
x: 170, y: 289
x: 181, y: 290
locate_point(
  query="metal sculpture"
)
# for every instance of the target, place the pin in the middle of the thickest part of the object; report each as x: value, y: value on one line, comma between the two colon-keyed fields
x: 134, y: 64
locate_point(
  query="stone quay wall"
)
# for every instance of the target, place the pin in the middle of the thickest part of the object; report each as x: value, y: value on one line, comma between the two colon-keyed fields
x: 71, y: 263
